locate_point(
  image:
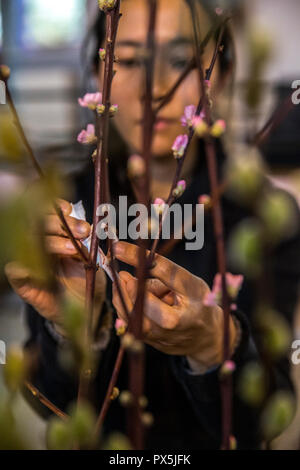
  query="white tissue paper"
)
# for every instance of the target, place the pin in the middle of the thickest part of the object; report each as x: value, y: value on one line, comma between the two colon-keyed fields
x: 78, y: 212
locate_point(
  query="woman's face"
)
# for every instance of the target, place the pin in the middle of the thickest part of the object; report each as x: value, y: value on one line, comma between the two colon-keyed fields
x: 174, y: 43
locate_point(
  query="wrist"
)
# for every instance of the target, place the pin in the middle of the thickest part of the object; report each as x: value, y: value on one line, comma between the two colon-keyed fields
x: 212, y: 356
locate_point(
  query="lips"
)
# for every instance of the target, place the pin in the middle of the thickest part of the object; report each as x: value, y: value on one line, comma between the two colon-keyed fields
x: 162, y: 123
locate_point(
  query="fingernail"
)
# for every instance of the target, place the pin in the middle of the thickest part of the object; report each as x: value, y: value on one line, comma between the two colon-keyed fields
x: 69, y: 246
x: 83, y: 229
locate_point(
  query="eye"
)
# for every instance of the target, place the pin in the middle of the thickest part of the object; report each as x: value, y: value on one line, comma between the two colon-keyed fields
x: 179, y: 63
x: 130, y: 62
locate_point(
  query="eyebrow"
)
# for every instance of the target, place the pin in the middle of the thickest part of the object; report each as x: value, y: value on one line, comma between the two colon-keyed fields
x: 179, y: 41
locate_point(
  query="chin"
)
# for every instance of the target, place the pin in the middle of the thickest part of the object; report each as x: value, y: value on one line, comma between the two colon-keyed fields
x: 162, y: 147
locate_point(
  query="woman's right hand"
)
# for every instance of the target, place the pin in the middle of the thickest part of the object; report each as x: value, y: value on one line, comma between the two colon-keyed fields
x: 70, y: 273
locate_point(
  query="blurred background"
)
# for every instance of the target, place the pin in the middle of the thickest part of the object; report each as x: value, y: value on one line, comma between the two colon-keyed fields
x: 41, y: 42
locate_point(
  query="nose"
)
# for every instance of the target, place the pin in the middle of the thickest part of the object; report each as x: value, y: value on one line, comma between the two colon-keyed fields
x: 160, y: 80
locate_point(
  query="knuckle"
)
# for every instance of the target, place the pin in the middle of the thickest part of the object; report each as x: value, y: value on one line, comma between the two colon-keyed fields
x: 171, y: 322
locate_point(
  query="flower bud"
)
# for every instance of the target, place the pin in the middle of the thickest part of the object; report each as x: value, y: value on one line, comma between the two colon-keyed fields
x: 106, y: 5
x: 4, y: 71
x: 252, y: 384
x: 102, y: 54
x: 143, y: 402
x: 128, y: 340
x: 147, y: 419
x: 115, y: 394
x: 180, y: 145
x: 200, y: 126
x: 218, y: 128
x: 227, y: 368
x: 113, y: 110
x: 159, y: 206
x: 136, y: 166
x: 100, y: 109
x: 126, y: 398
x: 277, y: 415
x: 206, y: 200
x: 120, y: 327
x: 179, y: 190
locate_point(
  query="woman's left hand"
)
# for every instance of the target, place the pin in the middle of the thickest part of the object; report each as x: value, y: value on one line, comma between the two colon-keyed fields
x: 176, y: 321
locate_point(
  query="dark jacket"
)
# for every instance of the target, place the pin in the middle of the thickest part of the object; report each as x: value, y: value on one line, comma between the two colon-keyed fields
x: 186, y: 407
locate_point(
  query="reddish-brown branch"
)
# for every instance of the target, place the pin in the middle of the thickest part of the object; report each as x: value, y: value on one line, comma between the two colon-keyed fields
x: 275, y: 120
x: 226, y: 385
x: 100, y: 191
x: 136, y: 360
x: 108, y: 400
x: 37, y: 394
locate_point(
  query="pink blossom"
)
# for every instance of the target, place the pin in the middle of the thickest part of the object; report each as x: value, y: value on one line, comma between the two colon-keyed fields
x: 189, y: 114
x: 228, y: 368
x: 233, y: 283
x: 90, y: 100
x: 120, y: 327
x: 87, y: 136
x: 136, y: 166
x: 180, y: 188
x: 181, y: 184
x: 204, y: 199
x: 219, y: 11
x: 180, y: 145
x: 210, y: 299
x: 159, y: 205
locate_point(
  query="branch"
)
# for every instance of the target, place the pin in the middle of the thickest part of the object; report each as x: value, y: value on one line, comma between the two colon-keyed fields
x: 37, y: 394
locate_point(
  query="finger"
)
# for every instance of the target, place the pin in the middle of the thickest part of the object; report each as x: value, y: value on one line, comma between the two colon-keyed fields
x: 172, y: 275
x: 79, y: 228
x: 157, y: 287
x: 126, y: 276
x: 23, y: 283
x: 65, y: 206
x: 163, y: 315
x: 130, y: 284
x: 60, y: 246
x: 16, y: 273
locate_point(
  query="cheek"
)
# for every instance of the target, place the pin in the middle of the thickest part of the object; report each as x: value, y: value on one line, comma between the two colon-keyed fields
x: 126, y: 93
x: 189, y: 92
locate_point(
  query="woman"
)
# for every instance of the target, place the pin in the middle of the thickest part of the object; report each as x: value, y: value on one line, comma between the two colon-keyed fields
x: 184, y: 338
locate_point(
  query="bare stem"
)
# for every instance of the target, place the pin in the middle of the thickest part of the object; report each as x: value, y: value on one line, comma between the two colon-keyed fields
x: 108, y: 400
x: 136, y: 360
x: 226, y: 385
x: 37, y: 394
x: 101, y: 181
